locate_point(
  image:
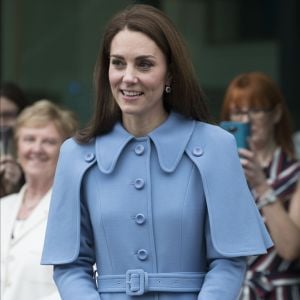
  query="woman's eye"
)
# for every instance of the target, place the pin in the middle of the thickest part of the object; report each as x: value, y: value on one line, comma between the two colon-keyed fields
x: 51, y: 142
x: 117, y: 63
x: 145, y: 65
x: 28, y: 138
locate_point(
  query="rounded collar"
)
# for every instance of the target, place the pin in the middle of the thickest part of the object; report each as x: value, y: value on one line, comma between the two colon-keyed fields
x: 170, y: 140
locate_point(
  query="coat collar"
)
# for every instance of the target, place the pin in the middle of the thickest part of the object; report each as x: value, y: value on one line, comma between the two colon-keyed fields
x: 170, y: 140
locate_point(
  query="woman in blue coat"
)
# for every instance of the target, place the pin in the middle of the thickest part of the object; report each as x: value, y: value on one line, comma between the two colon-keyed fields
x: 150, y: 194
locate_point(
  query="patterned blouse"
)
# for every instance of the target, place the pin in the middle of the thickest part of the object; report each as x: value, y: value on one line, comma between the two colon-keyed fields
x: 269, y: 277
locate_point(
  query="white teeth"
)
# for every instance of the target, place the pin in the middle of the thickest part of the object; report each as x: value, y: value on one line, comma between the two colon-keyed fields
x: 131, y: 93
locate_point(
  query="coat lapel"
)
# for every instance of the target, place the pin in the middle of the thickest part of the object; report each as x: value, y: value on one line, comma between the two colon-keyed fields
x: 39, y: 214
x: 9, y: 210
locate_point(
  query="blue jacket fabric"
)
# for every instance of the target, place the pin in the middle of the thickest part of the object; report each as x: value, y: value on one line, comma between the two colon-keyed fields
x: 173, y: 202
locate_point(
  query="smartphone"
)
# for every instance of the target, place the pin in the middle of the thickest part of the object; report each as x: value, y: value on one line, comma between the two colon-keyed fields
x: 241, y: 132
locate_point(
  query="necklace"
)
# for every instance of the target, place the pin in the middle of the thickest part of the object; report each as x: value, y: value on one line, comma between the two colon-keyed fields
x: 30, y: 206
x: 26, y: 210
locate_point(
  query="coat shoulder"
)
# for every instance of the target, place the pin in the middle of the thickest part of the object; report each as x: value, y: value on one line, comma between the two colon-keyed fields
x: 72, y: 146
x: 8, y: 199
x: 211, y: 129
x: 71, y: 151
x: 212, y: 136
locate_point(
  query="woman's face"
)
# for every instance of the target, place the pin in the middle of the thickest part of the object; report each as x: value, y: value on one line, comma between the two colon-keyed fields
x: 262, y: 122
x: 138, y: 74
x: 38, y: 149
x: 8, y: 112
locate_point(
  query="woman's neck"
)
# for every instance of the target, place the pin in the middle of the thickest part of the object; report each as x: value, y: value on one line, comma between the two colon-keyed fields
x: 36, y: 189
x: 141, y: 126
x: 265, y: 153
x: 34, y: 193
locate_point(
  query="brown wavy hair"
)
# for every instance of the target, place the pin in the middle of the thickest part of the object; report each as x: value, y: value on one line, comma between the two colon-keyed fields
x: 259, y: 91
x: 186, y: 96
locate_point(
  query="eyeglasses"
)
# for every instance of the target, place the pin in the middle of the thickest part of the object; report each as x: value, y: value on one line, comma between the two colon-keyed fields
x: 254, y: 113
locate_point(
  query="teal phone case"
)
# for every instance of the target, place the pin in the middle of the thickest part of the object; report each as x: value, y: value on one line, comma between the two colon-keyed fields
x: 241, y: 132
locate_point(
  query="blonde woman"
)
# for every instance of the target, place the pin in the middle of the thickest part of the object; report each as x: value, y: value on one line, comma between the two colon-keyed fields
x: 39, y: 132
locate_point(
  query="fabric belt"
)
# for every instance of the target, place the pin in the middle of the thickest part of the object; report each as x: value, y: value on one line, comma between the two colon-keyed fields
x: 137, y: 282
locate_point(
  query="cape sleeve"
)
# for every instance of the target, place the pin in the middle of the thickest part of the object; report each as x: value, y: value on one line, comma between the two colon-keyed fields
x: 62, y: 239
x: 236, y: 226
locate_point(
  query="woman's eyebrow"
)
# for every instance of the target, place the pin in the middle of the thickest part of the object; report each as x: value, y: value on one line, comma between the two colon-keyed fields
x: 138, y: 57
x: 116, y: 56
x: 145, y: 56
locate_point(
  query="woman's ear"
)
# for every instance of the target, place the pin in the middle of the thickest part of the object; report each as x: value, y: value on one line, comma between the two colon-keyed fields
x: 169, y: 79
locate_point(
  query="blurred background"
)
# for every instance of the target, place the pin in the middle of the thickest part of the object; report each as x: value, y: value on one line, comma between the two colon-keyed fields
x: 49, y: 47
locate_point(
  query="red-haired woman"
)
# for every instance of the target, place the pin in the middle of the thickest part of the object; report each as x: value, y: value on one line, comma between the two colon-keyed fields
x: 273, y: 174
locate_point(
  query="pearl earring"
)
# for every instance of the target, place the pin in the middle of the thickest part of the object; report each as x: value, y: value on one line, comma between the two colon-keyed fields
x: 168, y: 89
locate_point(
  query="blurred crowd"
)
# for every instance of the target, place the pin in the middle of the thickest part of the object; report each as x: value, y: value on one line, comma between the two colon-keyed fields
x: 30, y: 138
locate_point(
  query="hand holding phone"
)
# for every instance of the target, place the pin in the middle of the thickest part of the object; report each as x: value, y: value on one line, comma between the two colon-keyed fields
x: 241, y: 132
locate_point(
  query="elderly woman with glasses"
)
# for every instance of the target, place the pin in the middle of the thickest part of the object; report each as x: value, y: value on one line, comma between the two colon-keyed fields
x: 273, y: 174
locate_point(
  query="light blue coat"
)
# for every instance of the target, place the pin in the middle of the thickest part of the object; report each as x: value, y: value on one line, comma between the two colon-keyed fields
x: 171, y: 209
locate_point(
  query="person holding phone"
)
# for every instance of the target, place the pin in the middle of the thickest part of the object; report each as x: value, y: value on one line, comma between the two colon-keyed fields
x: 273, y: 174
x: 12, y: 102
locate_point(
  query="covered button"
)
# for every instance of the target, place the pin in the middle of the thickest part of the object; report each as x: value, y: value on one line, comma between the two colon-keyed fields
x: 140, y: 219
x: 89, y: 157
x: 139, y: 183
x: 142, y: 254
x: 139, y: 149
x: 197, y: 151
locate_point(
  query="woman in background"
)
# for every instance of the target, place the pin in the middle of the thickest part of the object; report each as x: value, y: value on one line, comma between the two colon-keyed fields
x: 273, y: 173
x: 12, y: 102
x: 39, y: 132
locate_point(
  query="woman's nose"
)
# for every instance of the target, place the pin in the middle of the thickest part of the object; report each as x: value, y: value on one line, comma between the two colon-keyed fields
x: 245, y: 118
x: 129, y: 75
x: 37, y: 146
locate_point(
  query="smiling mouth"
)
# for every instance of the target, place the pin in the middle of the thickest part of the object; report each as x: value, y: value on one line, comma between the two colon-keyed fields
x: 37, y: 159
x: 131, y: 93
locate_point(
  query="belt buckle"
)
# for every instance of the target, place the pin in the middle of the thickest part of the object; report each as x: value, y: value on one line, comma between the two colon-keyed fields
x: 136, y: 282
